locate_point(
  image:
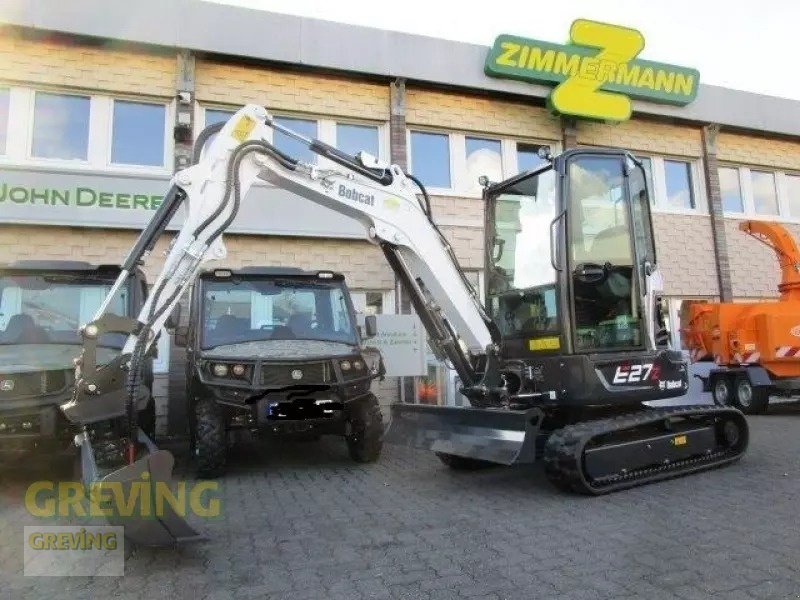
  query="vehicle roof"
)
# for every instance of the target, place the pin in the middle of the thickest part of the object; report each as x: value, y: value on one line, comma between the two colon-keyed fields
x: 60, y: 265
x: 271, y: 272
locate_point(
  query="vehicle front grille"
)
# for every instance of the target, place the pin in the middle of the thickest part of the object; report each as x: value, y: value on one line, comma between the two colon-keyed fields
x: 25, y: 385
x: 280, y: 375
x: 19, y: 424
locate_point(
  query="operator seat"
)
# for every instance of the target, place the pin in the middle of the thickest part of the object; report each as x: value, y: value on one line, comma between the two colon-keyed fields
x: 229, y: 327
x: 300, y: 324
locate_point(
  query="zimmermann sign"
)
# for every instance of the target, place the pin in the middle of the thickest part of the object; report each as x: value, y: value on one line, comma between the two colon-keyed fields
x: 596, y: 74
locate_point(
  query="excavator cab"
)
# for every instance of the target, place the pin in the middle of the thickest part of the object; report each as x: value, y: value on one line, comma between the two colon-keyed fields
x: 571, y: 279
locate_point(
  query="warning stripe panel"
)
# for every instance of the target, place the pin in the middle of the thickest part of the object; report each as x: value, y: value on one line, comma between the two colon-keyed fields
x: 787, y: 351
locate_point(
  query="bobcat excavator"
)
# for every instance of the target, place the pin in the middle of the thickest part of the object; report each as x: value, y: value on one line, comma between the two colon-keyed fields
x: 556, y: 367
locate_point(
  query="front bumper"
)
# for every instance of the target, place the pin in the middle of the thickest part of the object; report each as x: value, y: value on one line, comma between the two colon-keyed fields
x: 33, y: 429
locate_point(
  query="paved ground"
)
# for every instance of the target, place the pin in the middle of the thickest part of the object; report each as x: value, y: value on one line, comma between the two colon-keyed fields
x: 305, y: 523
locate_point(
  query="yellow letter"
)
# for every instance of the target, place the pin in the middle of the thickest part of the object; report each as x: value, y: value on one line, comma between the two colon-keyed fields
x: 567, y: 64
x: 35, y: 541
x: 647, y: 80
x: 506, y: 58
x: 100, y: 497
x: 70, y: 494
x: 541, y: 62
x: 195, y: 499
x: 665, y: 81
x: 48, y: 509
x: 581, y: 96
x: 684, y: 84
x: 178, y: 503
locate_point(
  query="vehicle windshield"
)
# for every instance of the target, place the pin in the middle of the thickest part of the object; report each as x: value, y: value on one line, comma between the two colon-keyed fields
x: 237, y: 311
x: 51, y: 308
x: 522, y: 280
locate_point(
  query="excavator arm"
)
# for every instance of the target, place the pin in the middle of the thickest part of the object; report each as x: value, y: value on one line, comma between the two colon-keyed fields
x: 380, y: 197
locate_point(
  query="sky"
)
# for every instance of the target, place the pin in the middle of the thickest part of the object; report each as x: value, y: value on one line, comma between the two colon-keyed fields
x: 744, y: 45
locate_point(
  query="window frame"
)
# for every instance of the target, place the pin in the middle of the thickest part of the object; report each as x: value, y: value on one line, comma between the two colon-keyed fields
x: 748, y: 200
x: 91, y: 129
x: 459, y: 182
x: 326, y: 128
x: 658, y: 193
x: 451, y: 190
x: 4, y: 147
x: 110, y: 141
x: 19, y: 150
x: 742, y: 194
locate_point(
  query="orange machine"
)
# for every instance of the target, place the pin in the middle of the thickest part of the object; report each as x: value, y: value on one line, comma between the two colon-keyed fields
x: 756, y: 345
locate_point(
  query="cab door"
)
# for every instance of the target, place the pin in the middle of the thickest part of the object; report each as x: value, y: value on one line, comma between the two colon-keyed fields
x: 603, y: 266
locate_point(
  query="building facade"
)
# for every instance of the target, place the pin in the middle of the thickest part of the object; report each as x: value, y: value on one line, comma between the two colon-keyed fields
x: 91, y: 122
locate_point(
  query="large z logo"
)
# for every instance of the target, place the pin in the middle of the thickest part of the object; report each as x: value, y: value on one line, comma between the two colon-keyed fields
x: 580, y: 94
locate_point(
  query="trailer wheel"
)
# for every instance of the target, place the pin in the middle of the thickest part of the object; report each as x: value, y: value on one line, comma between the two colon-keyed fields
x: 462, y: 463
x: 722, y: 390
x: 210, y: 439
x: 365, y: 429
x: 750, y: 399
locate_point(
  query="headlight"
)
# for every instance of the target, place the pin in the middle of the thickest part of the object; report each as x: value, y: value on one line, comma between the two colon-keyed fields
x: 238, y: 370
x: 220, y: 370
x: 358, y: 365
x: 345, y: 365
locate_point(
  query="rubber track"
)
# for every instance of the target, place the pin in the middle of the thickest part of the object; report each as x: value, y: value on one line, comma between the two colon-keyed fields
x: 563, y: 451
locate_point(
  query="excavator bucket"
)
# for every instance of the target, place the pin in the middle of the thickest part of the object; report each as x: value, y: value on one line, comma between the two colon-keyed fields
x: 150, y: 522
x: 494, y: 435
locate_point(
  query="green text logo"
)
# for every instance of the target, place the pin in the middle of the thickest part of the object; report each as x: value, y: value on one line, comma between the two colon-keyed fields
x: 596, y: 74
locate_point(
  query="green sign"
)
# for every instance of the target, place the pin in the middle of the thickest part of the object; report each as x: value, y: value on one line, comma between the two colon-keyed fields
x: 78, y: 196
x: 596, y: 74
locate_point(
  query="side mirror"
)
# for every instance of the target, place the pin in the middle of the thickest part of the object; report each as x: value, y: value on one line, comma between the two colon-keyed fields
x: 171, y: 324
x: 182, y: 336
x: 370, y: 326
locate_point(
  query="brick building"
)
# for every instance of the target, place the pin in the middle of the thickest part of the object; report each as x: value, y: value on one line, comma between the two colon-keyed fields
x: 729, y: 155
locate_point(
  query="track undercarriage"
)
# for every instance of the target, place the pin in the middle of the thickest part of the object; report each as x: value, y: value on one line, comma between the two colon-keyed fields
x: 588, y: 456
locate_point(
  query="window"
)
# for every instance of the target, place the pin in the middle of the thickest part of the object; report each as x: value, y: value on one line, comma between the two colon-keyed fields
x: 291, y: 146
x: 792, y: 202
x: 765, y: 197
x: 60, y: 126
x: 528, y: 158
x: 430, y: 157
x: 357, y: 138
x: 369, y: 303
x: 4, y: 101
x: 730, y: 191
x: 647, y: 165
x: 678, y: 176
x: 483, y: 158
x: 138, y: 133
x: 216, y: 115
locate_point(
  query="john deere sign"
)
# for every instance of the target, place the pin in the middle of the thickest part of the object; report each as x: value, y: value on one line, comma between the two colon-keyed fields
x: 596, y: 74
x: 104, y: 199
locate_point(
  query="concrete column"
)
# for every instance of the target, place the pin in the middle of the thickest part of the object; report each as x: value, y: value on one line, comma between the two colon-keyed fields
x: 183, y: 132
x: 398, y: 152
x: 184, y: 111
x: 711, y: 172
x: 569, y: 133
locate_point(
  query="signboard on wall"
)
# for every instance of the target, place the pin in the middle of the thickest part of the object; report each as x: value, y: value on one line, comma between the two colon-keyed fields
x: 401, y: 341
x: 97, y: 199
x: 596, y: 74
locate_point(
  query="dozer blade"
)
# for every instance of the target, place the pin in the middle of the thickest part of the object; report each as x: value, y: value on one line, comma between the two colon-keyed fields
x: 159, y: 524
x: 494, y: 435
